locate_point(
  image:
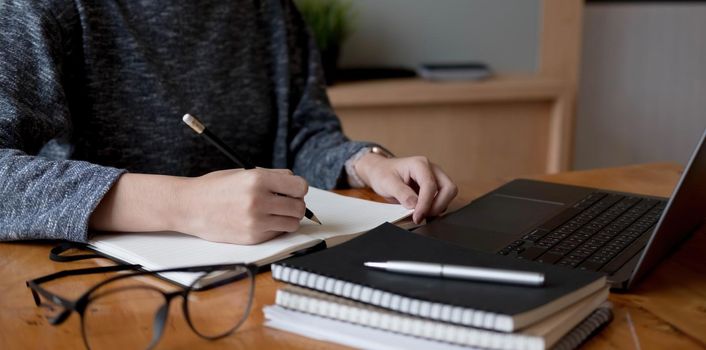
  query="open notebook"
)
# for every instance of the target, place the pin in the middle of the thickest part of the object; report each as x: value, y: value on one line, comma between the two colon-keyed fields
x: 343, y: 218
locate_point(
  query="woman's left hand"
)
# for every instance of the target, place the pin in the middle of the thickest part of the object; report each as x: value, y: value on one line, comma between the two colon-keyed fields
x: 414, y: 182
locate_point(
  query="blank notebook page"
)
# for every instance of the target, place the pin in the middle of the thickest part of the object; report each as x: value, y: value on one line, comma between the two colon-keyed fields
x: 343, y: 215
x: 340, y: 215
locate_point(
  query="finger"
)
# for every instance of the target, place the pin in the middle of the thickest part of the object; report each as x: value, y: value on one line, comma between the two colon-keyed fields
x: 402, y: 193
x: 282, y: 223
x: 287, y: 184
x: 447, y: 191
x: 423, y: 176
x: 286, y: 206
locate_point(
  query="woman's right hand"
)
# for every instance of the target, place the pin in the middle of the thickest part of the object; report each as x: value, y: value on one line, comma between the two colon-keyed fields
x: 231, y: 206
x: 241, y: 206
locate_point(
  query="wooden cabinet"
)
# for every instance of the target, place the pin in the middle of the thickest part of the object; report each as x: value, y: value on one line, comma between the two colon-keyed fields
x: 474, y: 130
x: 506, y: 126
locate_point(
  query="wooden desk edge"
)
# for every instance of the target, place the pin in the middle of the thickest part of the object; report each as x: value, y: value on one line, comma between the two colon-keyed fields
x: 660, y: 317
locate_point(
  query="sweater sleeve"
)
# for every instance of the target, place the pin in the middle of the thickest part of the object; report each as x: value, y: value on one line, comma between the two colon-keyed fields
x: 42, y: 198
x: 317, y: 143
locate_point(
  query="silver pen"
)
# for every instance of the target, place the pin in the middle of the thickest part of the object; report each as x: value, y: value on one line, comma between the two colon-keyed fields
x: 471, y: 273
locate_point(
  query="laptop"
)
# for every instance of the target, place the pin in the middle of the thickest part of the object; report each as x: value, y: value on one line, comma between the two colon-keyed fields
x: 621, y: 234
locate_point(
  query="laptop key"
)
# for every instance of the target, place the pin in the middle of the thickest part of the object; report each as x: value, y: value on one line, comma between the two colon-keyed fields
x: 608, y: 201
x: 591, y: 265
x: 596, y: 261
x: 566, y: 246
x: 547, y: 242
x: 515, y: 246
x: 569, y: 262
x: 588, y: 201
x: 620, y: 260
x: 535, y: 235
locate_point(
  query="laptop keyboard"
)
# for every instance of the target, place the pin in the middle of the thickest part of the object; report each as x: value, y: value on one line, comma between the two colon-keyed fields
x: 591, y: 234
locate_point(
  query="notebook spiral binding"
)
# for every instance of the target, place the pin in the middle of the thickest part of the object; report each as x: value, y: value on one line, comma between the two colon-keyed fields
x: 586, y: 329
x: 411, y: 306
x: 357, y: 313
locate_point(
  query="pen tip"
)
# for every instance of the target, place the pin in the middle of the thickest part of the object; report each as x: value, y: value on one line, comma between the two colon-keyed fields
x: 315, y: 219
x: 377, y: 265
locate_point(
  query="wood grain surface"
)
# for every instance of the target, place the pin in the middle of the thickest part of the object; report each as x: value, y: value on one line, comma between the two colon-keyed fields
x: 666, y: 311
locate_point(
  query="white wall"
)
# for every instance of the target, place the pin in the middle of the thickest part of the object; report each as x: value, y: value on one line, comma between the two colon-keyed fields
x: 642, y: 91
x: 407, y: 32
x: 643, y: 83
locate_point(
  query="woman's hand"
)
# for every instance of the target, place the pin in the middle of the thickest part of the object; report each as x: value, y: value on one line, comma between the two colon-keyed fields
x: 232, y: 206
x: 414, y: 182
x: 243, y: 206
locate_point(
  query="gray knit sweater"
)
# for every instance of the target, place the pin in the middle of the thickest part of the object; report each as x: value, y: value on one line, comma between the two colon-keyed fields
x: 91, y: 89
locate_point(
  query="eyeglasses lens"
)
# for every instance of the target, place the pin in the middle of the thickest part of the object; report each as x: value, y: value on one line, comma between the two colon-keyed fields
x: 218, y: 308
x: 121, y: 315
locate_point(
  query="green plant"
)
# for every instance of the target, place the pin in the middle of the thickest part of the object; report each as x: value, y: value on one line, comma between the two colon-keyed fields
x: 330, y: 21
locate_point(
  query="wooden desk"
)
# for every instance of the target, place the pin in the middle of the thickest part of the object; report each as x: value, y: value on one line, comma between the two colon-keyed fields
x: 666, y: 311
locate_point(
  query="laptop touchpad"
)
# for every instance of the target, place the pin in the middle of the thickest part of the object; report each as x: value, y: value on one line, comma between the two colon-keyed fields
x: 506, y: 214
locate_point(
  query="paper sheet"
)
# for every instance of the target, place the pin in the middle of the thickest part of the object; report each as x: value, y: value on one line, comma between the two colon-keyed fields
x: 340, y: 216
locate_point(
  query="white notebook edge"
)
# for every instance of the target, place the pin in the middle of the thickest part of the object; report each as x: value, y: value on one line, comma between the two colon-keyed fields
x: 526, y: 319
x: 345, y: 333
x: 427, y: 309
x: 118, y: 254
x: 353, y: 335
x: 544, y: 335
x: 565, y: 320
x: 344, y: 310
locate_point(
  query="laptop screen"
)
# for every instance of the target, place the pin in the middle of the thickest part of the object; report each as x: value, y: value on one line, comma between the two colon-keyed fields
x: 685, y: 212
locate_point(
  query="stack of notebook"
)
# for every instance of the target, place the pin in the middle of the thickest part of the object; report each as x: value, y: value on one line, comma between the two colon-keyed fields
x: 332, y: 297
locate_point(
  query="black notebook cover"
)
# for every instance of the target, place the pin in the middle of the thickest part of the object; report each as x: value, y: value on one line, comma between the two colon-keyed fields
x: 388, y: 242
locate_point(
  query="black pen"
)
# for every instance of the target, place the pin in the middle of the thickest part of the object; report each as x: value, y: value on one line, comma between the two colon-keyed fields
x: 200, y: 129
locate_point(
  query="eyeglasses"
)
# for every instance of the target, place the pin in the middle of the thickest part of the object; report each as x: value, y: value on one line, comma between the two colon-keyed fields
x: 124, y: 311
